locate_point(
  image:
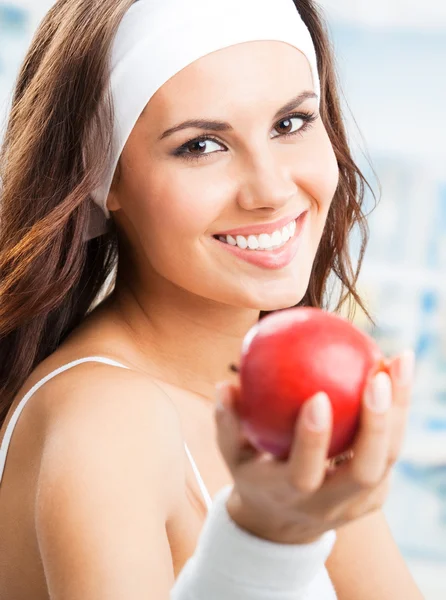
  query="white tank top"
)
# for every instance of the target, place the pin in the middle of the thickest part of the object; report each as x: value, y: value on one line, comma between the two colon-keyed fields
x: 16, y: 414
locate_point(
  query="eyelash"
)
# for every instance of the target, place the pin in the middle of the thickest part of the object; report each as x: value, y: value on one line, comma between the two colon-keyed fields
x: 308, y: 119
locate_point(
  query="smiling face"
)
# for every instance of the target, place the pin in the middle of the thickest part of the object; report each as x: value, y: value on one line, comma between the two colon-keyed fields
x: 176, y: 195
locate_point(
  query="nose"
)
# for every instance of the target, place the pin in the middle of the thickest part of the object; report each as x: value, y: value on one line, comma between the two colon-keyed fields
x: 266, y: 184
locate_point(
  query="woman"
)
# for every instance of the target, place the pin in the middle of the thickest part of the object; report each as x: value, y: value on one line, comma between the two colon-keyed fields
x: 224, y: 130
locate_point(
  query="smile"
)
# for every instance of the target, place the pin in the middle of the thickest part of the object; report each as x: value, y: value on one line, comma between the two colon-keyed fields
x: 271, y: 251
x: 264, y: 241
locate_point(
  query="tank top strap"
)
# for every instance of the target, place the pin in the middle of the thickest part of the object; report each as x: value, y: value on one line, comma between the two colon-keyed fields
x: 204, y: 491
x: 17, y: 412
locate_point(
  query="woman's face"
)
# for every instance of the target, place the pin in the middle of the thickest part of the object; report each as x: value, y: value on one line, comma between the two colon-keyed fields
x: 176, y: 194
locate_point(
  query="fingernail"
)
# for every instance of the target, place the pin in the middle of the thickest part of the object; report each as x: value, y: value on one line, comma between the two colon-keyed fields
x: 379, y: 394
x: 221, y: 394
x: 405, y: 367
x: 317, y: 416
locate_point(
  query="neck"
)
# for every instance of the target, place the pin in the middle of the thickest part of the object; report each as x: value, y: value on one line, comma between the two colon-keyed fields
x: 185, y: 340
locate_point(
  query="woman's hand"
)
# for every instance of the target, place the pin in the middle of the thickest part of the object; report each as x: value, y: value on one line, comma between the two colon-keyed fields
x: 297, y: 500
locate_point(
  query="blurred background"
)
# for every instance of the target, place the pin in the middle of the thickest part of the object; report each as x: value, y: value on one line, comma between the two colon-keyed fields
x: 390, y: 56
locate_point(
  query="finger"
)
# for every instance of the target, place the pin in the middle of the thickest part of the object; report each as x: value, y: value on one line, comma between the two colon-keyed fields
x: 370, y: 451
x: 401, y: 373
x: 234, y: 447
x: 310, y: 445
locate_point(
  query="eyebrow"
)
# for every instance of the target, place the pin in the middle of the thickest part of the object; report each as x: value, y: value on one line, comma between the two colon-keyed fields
x: 224, y: 126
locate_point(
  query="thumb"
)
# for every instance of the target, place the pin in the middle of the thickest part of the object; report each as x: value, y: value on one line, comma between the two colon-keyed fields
x: 234, y: 447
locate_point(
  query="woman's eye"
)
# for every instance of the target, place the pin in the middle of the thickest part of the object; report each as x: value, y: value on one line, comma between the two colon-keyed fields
x: 290, y: 125
x: 199, y: 147
x: 206, y: 146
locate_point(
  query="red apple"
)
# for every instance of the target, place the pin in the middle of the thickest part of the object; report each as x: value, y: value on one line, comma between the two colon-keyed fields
x: 289, y: 356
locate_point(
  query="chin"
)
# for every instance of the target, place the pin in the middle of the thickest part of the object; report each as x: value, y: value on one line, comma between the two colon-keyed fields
x: 280, y: 302
x: 278, y: 306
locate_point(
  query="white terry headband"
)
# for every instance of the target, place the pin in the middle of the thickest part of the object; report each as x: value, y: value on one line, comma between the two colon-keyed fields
x: 158, y: 38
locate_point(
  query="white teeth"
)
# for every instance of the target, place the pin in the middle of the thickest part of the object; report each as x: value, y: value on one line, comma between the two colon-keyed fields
x: 264, y: 241
x: 276, y: 238
x: 242, y: 242
x: 286, y: 233
x: 253, y: 242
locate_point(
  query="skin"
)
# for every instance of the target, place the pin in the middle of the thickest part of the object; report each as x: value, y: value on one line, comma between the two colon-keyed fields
x: 188, y: 303
x: 179, y: 284
x: 177, y: 317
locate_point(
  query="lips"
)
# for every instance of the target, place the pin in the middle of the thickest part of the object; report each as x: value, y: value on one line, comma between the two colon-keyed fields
x: 262, y: 227
x: 271, y: 259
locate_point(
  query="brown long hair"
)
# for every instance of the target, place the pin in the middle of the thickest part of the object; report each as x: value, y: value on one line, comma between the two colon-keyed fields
x: 56, y: 144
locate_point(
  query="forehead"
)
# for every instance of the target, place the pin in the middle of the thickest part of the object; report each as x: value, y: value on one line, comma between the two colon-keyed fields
x: 239, y: 75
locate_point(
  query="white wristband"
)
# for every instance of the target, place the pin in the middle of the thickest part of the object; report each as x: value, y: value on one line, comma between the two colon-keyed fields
x: 231, y: 564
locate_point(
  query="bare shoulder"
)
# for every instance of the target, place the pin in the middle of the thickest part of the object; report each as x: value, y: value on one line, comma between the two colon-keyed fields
x: 112, y: 471
x: 95, y: 408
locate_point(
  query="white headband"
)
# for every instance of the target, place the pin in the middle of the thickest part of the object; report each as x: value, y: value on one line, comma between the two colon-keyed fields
x: 158, y: 38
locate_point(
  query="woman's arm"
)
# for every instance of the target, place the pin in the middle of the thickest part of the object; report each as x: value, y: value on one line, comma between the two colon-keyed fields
x: 366, y: 564
x: 111, y: 474
x: 112, y: 467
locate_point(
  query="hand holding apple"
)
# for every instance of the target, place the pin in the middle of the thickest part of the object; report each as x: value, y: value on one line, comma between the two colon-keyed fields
x: 295, y: 500
x: 291, y: 355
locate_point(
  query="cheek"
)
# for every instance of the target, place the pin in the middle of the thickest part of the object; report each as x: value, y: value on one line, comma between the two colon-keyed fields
x: 318, y: 172
x: 169, y: 199
x: 179, y: 206
x: 189, y: 204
